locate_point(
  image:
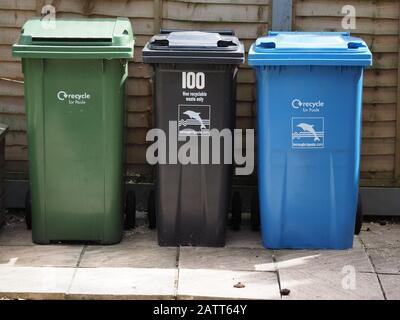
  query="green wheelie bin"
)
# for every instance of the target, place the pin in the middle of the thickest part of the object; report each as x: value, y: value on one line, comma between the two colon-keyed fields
x: 75, y: 72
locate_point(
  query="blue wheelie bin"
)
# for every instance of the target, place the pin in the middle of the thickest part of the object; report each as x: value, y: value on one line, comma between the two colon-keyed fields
x: 309, y: 93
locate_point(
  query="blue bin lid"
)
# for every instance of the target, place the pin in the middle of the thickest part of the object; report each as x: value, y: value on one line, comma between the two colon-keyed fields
x: 309, y: 48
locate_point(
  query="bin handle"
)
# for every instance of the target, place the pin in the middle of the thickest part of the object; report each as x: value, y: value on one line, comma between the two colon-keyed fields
x: 160, y: 42
x: 355, y: 45
x: 223, y: 32
x: 226, y: 43
x: 266, y: 44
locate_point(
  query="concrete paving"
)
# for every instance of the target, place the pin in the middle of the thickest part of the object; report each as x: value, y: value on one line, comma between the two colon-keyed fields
x: 40, y: 256
x: 325, y: 284
x: 375, y: 235
x: 385, y: 260
x: 123, y: 283
x: 138, y: 268
x: 220, y: 284
x: 35, y: 282
x: 391, y: 285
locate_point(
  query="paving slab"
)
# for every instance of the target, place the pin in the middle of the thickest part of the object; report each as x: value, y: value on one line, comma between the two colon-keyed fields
x: 226, y: 259
x: 40, y: 256
x: 35, y: 282
x: 141, y: 236
x: 387, y: 236
x: 332, y: 260
x: 209, y: 283
x: 306, y: 284
x: 122, y: 255
x: 386, y: 260
x: 123, y: 283
x: 15, y: 235
x: 357, y: 244
x: 245, y: 238
x: 391, y: 286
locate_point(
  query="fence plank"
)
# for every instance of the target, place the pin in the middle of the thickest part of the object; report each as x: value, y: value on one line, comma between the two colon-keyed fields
x: 14, y: 18
x: 18, y: 167
x: 12, y: 105
x: 136, y: 136
x: 18, y: 4
x: 11, y: 88
x: 11, y: 70
x: 138, y: 87
x: 9, y: 35
x: 138, y: 120
x: 364, y: 9
x: 139, y: 70
x: 205, y: 12
x: 379, y: 43
x: 115, y: 8
x: 379, y: 112
x: 139, y: 103
x: 16, y: 138
x: 229, y: 2
x: 378, y: 146
x: 386, y: 129
x: 364, y: 25
x: 135, y: 154
x: 243, y: 31
x: 19, y: 153
x: 380, y: 78
x: 380, y: 95
x: 16, y: 122
x: 377, y: 163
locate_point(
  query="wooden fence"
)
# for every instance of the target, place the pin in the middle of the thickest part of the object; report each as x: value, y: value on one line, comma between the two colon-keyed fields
x: 249, y: 18
x: 377, y: 23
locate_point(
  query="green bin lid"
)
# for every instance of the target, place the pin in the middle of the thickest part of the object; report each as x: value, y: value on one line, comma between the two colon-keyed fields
x: 76, y: 38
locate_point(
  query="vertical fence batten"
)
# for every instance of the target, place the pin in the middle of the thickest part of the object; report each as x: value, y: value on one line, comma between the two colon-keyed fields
x: 397, y: 148
x: 157, y: 15
x: 39, y: 6
x: 282, y: 15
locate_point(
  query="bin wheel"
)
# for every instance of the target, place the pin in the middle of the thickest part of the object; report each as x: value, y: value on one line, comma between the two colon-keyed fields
x: 359, y: 216
x: 255, y: 212
x: 130, y: 210
x: 236, y: 211
x: 151, y: 210
x: 28, y: 210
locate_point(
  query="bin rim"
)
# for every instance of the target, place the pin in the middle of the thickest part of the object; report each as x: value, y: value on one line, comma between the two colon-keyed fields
x: 194, y: 46
x: 76, y: 38
x: 309, y: 48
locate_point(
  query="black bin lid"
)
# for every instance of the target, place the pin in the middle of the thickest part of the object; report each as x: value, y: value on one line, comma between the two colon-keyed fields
x: 173, y: 46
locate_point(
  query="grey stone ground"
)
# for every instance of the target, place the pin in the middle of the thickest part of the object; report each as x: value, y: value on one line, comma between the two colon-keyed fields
x: 138, y: 268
